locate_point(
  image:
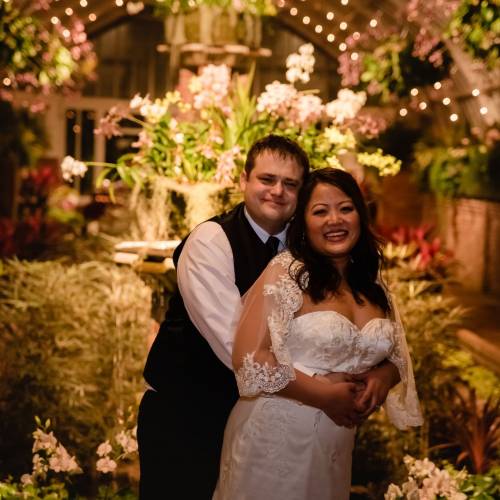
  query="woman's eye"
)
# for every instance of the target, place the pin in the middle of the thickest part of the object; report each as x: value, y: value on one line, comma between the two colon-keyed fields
x: 347, y: 209
x: 319, y: 212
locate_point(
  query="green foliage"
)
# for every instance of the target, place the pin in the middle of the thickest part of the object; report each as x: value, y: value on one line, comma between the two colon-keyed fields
x: 483, y: 486
x: 457, y: 171
x: 73, y: 343
x: 477, y: 24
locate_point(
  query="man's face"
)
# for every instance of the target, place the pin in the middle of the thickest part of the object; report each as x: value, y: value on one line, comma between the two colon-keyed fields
x: 270, y: 190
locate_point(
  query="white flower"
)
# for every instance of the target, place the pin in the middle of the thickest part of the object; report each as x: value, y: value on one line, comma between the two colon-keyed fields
x: 179, y: 138
x: 393, y: 492
x: 137, y: 101
x: 276, y: 99
x: 42, y: 440
x: 306, y: 49
x: 306, y: 110
x: 70, y: 168
x: 104, y: 449
x: 105, y: 465
x: 26, y: 479
x: 127, y: 441
x: 62, y: 461
x: 40, y: 467
x: 346, y: 106
x: 153, y: 112
x: 300, y: 65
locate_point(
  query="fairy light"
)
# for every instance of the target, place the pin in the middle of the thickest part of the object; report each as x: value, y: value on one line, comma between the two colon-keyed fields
x: 119, y: 3
x: 483, y: 110
x: 342, y: 47
x: 446, y: 101
x: 83, y: 3
x: 403, y: 112
x: 306, y: 19
x: 373, y: 23
x: 330, y: 16
x: 66, y: 33
x: 344, y: 2
x: 330, y: 37
x: 69, y: 11
x: 6, y: 81
x: 356, y: 35
x: 414, y: 92
x: 453, y: 117
x: 422, y: 105
x: 318, y: 28
x: 354, y: 56
x: 475, y: 92
x: 343, y: 25
x: 92, y: 17
x: 293, y: 11
x: 437, y: 85
x: 54, y: 20
x: 281, y: 3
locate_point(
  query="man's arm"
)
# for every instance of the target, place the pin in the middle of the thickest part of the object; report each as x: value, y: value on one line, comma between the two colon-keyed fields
x: 205, y: 276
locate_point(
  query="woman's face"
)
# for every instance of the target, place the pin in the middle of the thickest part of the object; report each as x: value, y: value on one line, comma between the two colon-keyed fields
x: 332, y: 222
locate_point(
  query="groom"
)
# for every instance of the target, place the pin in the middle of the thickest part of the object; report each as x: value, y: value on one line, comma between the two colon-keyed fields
x: 192, y: 388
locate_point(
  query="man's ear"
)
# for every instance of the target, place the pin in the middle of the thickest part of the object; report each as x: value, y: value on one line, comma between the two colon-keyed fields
x: 243, y: 180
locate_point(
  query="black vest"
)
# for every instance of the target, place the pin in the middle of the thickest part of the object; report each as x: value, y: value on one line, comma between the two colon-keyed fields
x: 181, y: 363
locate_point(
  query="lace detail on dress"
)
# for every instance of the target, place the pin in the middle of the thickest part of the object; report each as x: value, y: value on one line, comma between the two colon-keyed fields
x: 254, y: 378
x: 286, y: 297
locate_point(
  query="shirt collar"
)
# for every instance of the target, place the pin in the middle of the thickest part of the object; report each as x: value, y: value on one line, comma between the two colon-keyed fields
x: 263, y: 234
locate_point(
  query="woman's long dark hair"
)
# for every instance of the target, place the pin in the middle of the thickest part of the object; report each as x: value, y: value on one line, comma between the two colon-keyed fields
x: 362, y: 271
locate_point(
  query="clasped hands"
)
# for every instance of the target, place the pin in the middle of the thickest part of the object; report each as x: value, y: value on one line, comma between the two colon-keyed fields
x: 355, y: 397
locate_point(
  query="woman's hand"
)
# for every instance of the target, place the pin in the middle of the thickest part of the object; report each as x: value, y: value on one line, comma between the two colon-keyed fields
x: 377, y: 383
x: 340, y: 404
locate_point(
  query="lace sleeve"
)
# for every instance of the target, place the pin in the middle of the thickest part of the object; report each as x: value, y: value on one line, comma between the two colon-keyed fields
x: 261, y: 360
x: 402, y: 405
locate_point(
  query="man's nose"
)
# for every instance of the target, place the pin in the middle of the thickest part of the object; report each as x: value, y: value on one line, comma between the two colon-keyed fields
x: 277, y: 189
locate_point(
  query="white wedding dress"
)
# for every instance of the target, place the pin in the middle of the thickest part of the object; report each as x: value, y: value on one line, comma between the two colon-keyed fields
x: 276, y: 448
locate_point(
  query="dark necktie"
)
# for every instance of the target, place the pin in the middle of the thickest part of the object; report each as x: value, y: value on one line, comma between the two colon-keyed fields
x: 272, y: 244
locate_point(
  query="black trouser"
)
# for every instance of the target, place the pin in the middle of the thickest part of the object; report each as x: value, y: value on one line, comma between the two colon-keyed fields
x: 180, y: 441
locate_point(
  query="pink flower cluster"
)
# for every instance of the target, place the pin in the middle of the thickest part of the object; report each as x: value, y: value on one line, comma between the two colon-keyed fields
x: 226, y: 166
x: 211, y: 87
x: 425, y: 47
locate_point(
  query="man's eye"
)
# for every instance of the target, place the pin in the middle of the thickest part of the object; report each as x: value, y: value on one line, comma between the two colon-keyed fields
x: 267, y: 180
x: 291, y: 184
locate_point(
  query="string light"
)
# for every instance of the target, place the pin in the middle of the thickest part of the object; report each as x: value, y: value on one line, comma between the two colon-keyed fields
x: 423, y: 105
x: 293, y: 11
x: 414, y: 92
x: 453, y: 117
x: 54, y: 20
x: 354, y: 56
x: 373, y: 23
x: 330, y: 37
x: 119, y: 3
x: 437, y: 85
x: 403, y: 111
x: 330, y: 16
x: 475, y: 92
x: 92, y: 17
x: 344, y: 2
x: 343, y: 25
x: 483, y: 110
x: 6, y: 81
x: 306, y: 19
x: 83, y: 3
x: 446, y: 101
x: 281, y: 3
x: 318, y: 28
x: 66, y: 33
x: 356, y: 35
x: 69, y: 11
x: 342, y: 47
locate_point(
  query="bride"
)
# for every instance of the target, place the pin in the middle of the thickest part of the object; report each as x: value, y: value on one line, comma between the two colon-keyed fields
x: 320, y: 307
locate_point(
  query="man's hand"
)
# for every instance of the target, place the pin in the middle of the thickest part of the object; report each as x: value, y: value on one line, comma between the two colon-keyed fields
x: 377, y: 383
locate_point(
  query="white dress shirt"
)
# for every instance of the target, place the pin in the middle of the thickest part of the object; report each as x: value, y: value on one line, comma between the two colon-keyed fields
x: 206, y: 280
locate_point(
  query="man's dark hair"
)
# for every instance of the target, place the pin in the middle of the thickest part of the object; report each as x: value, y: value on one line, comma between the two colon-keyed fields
x: 282, y: 147
x: 362, y: 273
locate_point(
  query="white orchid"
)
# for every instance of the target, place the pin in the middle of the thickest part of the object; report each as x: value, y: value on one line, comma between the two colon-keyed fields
x: 72, y: 168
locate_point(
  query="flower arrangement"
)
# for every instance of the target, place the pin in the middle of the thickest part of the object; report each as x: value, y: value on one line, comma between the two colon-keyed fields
x: 388, y: 64
x: 257, y: 7
x: 426, y: 481
x: 205, y: 133
x: 53, y: 466
x: 36, y: 58
x: 476, y: 24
